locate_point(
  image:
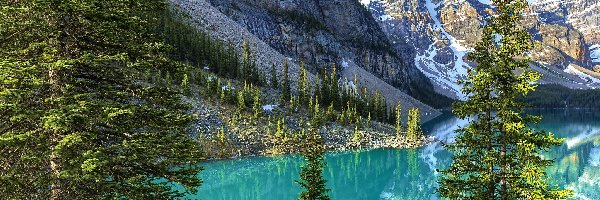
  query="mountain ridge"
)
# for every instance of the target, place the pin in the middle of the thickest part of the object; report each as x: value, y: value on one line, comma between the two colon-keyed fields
x: 205, y: 16
x: 443, y: 31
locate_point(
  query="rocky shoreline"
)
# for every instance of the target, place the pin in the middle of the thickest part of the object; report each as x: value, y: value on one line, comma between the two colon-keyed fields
x: 340, y: 141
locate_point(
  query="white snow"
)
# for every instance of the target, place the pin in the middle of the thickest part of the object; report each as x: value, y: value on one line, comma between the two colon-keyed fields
x: 586, y: 77
x: 385, y: 17
x: 595, y: 53
x: 486, y: 2
x: 226, y: 88
x: 350, y: 85
x: 365, y: 2
x: 269, y: 107
x: 441, y: 73
x: 344, y: 64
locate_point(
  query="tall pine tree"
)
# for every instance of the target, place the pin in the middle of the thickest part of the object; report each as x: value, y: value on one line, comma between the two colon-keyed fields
x: 273, y: 74
x: 311, y: 174
x: 398, y: 113
x: 303, y: 87
x: 77, y: 119
x: 247, y: 63
x: 413, y: 126
x: 497, y: 156
x: 334, y: 88
x: 286, y: 90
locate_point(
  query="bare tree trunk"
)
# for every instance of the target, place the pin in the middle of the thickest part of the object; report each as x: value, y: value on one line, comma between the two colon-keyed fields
x: 503, y: 194
x: 55, y: 161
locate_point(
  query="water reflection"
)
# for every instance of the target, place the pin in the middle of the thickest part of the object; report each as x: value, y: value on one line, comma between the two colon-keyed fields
x: 405, y: 174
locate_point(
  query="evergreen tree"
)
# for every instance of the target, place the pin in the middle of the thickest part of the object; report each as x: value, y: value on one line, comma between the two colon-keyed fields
x: 311, y: 178
x: 185, y: 84
x: 398, y: 112
x: 285, y: 85
x: 317, y: 91
x: 280, y: 128
x: 335, y: 88
x: 241, y: 102
x: 247, y: 62
x: 413, y: 126
x: 274, y: 82
x: 356, y: 136
x: 376, y: 106
x: 497, y: 156
x: 168, y: 79
x: 257, y: 107
x: 254, y: 74
x: 324, y: 91
x: 77, y: 120
x: 303, y: 86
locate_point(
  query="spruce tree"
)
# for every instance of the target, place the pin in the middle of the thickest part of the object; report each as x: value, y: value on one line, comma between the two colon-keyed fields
x: 286, y: 89
x: 254, y: 74
x: 280, y: 132
x: 241, y: 102
x: 398, y: 112
x: 246, y: 61
x: 257, y: 107
x: 413, y: 126
x: 335, y: 88
x: 317, y: 90
x: 77, y: 119
x: 274, y: 82
x: 324, y: 91
x: 311, y: 178
x: 185, y: 84
x: 303, y: 86
x: 498, y: 156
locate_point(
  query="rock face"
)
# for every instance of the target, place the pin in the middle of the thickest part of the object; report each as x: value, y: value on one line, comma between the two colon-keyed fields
x: 416, y: 46
x: 442, y: 31
x: 320, y: 33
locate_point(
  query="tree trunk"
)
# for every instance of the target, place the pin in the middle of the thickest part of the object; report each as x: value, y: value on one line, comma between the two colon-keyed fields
x: 503, y: 194
x: 54, y: 137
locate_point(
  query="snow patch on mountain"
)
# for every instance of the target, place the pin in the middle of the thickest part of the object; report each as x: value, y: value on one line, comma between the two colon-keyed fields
x: 571, y: 69
x: 365, y: 2
x: 385, y: 17
x: 595, y: 53
x: 443, y: 74
x: 486, y: 2
x: 269, y: 107
x: 344, y: 64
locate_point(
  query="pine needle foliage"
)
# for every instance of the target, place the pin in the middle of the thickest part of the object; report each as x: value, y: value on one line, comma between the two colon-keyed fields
x: 78, y: 120
x: 311, y: 178
x: 498, y: 156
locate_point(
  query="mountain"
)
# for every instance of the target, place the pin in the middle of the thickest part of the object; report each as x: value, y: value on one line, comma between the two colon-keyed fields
x: 319, y: 33
x: 409, y: 49
x: 439, y: 33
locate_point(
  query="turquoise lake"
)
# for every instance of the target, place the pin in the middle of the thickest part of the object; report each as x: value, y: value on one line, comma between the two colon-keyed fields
x: 404, y: 174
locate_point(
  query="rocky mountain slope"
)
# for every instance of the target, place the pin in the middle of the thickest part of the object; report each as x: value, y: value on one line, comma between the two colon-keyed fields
x: 414, y: 46
x: 441, y: 32
x: 321, y: 33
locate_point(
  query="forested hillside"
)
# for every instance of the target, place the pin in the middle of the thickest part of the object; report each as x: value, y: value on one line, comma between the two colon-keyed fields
x: 557, y: 96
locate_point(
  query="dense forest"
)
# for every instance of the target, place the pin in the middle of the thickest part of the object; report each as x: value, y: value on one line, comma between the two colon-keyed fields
x: 557, y: 96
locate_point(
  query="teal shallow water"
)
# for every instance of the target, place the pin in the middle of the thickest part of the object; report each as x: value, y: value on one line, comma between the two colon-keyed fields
x: 404, y: 174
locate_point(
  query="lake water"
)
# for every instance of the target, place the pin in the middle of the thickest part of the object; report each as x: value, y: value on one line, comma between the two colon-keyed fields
x: 404, y: 174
